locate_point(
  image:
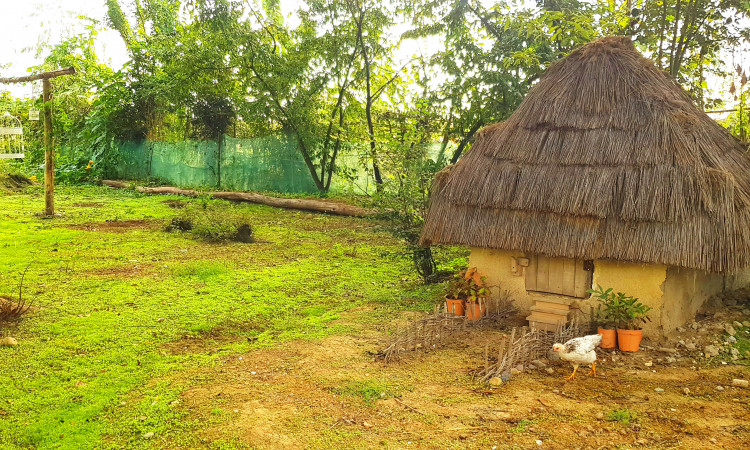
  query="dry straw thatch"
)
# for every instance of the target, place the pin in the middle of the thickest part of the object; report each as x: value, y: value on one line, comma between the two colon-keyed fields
x: 606, y: 158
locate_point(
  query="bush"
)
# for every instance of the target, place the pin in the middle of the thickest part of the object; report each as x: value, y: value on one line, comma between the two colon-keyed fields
x: 213, y: 223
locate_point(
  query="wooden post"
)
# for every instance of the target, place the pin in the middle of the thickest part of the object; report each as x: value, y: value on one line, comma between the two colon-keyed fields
x: 49, y: 153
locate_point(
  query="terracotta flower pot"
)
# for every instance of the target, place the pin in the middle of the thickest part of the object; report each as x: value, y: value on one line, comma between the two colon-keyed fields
x: 629, y: 340
x: 454, y: 306
x: 475, y: 311
x: 609, y: 338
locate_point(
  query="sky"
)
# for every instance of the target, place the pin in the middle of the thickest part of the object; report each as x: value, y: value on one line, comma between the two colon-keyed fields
x: 25, y: 24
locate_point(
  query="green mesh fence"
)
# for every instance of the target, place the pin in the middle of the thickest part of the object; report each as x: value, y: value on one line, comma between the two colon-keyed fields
x: 270, y: 163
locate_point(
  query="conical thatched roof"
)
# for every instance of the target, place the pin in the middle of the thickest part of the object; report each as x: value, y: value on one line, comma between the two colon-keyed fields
x: 606, y: 158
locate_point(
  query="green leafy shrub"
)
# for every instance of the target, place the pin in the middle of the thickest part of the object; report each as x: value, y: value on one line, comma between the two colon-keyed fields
x: 213, y: 223
x: 619, y: 310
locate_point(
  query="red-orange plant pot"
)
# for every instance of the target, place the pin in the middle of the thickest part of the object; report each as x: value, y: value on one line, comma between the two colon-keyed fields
x: 629, y: 340
x: 454, y: 306
x: 475, y: 311
x: 609, y: 338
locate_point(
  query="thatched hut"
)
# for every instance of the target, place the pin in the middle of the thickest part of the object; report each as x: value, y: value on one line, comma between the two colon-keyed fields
x: 607, y: 174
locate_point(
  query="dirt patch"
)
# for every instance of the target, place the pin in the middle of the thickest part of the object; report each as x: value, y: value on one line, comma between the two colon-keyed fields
x: 176, y: 204
x: 14, y: 183
x: 88, y: 205
x: 315, y: 395
x: 124, y: 272
x: 118, y: 226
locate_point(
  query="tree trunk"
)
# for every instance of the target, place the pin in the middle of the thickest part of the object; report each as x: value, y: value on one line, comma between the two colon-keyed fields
x: 339, y: 209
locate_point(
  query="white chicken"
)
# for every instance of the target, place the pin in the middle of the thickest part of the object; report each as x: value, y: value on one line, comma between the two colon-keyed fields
x: 579, y: 351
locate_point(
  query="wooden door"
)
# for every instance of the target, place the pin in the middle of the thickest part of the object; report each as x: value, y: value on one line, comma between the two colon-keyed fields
x: 562, y: 276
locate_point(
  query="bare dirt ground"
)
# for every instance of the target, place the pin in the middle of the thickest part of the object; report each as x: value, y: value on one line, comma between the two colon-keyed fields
x: 336, y: 393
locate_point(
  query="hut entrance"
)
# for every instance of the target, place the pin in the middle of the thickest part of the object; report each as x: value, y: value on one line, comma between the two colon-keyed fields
x: 564, y: 276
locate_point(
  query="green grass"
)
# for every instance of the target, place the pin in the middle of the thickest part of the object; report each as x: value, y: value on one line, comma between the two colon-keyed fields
x: 91, y: 364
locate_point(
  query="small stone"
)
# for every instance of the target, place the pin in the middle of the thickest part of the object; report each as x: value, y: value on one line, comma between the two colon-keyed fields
x: 686, y: 391
x: 174, y: 403
x: 680, y: 329
x: 694, y: 325
x: 550, y: 370
x: 667, y: 350
x: 671, y: 360
x: 746, y: 323
x: 599, y: 415
x: 496, y: 381
x: 732, y: 340
x: 735, y: 352
x: 713, y: 440
x: 514, y: 371
x: 519, y: 367
x: 690, y: 346
x: 505, y: 376
x: 160, y: 319
x: 729, y: 329
x: 746, y: 312
x: 659, y: 390
x: 148, y: 435
x: 730, y: 302
x: 737, y: 324
x: 740, y: 383
x: 648, y: 363
x: 710, y: 351
x: 553, y: 356
x: 538, y: 364
x: 538, y: 442
x: 719, y: 388
x: 8, y: 342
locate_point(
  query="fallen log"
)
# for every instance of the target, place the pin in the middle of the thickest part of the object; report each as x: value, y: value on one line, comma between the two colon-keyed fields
x: 340, y: 209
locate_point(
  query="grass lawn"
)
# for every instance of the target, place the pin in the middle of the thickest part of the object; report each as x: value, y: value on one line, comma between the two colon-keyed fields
x: 118, y: 296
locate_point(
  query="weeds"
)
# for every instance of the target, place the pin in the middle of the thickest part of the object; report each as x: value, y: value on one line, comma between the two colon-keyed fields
x: 213, y: 223
x: 624, y: 416
x: 13, y: 310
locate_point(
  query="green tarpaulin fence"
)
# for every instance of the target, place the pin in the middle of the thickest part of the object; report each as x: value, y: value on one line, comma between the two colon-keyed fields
x: 270, y: 163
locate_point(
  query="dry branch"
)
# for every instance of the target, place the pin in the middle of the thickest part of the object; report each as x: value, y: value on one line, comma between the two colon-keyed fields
x: 339, y: 209
x: 39, y: 76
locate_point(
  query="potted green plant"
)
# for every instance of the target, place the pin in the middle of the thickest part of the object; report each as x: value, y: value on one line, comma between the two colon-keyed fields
x: 467, y: 294
x: 632, y: 315
x: 605, y: 316
x: 478, y: 292
x: 456, y: 294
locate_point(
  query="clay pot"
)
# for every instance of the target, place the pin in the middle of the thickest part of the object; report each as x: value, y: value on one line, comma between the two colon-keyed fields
x: 454, y: 306
x: 609, y: 338
x: 629, y: 340
x: 475, y: 311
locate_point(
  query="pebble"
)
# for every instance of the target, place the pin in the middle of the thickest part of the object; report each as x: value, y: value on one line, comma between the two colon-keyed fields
x: 505, y: 376
x: 746, y: 323
x: 732, y: 340
x: 148, y: 435
x: 538, y: 364
x: 671, y: 360
x: 519, y: 367
x: 686, y: 391
x: 550, y: 370
x: 729, y: 329
x: 8, y: 342
x: 713, y: 440
x: 746, y: 312
x: 514, y: 371
x: 730, y: 302
x: 599, y: 415
x: 736, y: 324
x: 659, y: 390
x: 740, y: 383
x: 719, y: 388
x: 648, y: 364
x: 690, y: 346
x: 694, y: 325
x: 667, y: 350
x: 710, y: 351
x: 496, y: 381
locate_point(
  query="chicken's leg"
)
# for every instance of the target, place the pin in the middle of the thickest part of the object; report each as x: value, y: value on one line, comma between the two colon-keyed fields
x: 593, y: 369
x: 573, y: 375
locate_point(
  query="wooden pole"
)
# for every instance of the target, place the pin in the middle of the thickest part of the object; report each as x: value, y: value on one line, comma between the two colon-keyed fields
x: 49, y: 153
